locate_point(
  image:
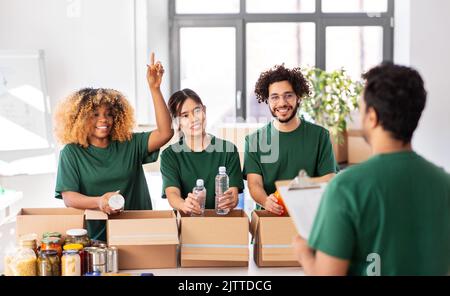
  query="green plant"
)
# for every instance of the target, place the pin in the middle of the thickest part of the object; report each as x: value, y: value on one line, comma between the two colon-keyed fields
x: 334, y: 95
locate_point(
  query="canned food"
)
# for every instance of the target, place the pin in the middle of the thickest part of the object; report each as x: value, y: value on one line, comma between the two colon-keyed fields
x: 29, y: 241
x: 78, y: 236
x: 79, y: 248
x: 48, y: 263
x: 71, y: 263
x: 99, y: 244
x: 51, y: 243
x: 112, y: 264
x: 95, y: 259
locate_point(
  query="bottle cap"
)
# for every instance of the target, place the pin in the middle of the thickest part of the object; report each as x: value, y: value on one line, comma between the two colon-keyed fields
x: 222, y: 170
x: 199, y: 182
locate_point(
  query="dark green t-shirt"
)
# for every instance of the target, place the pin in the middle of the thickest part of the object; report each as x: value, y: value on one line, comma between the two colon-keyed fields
x: 279, y: 155
x: 181, y: 167
x: 396, y: 206
x: 94, y: 171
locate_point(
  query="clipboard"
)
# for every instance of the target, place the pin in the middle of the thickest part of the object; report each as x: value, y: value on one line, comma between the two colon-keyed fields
x: 302, y: 199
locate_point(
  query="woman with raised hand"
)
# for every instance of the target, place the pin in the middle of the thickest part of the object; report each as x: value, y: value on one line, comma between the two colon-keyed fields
x: 102, y: 154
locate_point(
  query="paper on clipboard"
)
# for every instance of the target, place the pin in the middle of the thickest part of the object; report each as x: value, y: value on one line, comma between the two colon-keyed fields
x: 302, y: 201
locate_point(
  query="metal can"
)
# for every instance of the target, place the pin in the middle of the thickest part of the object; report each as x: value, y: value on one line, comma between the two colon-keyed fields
x: 95, y: 259
x: 98, y: 244
x: 112, y: 264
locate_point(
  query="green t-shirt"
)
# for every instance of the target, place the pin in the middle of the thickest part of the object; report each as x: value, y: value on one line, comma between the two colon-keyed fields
x: 395, y: 206
x: 181, y: 167
x: 279, y: 155
x: 94, y: 171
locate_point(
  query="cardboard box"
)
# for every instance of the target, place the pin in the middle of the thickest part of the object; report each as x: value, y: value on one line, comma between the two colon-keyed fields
x: 214, y: 240
x: 358, y: 149
x: 40, y: 220
x: 272, y: 238
x: 145, y: 239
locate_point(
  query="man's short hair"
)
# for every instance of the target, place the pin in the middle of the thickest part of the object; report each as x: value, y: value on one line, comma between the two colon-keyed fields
x: 398, y: 96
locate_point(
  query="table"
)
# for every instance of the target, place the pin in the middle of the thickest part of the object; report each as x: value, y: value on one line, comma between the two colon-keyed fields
x: 251, y: 270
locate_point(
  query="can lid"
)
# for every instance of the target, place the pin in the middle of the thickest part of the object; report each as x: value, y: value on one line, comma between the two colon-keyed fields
x: 27, y: 239
x: 76, y: 232
x: 99, y: 244
x: 51, y: 234
x: 48, y: 252
x: 51, y: 240
x: 116, y: 202
x: 75, y: 247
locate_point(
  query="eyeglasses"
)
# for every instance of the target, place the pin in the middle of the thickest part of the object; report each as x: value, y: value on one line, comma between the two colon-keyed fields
x: 289, y: 96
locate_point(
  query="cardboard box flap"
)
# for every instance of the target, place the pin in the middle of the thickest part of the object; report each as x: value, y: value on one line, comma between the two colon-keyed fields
x: 237, y: 213
x: 95, y: 215
x: 222, y: 231
x: 34, y: 220
x: 254, y: 224
x: 49, y: 211
x: 225, y: 253
x: 143, y: 214
x: 276, y: 231
x: 159, y: 231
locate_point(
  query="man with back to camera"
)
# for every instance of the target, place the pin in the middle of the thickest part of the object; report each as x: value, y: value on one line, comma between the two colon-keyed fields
x: 391, y: 214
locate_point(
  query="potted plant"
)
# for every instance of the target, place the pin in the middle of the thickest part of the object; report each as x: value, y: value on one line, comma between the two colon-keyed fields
x: 334, y: 95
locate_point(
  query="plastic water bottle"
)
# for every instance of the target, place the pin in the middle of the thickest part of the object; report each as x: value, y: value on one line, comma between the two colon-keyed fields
x: 222, y: 184
x: 200, y: 193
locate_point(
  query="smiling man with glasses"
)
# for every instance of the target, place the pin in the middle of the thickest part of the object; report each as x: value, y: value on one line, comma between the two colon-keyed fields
x: 288, y: 144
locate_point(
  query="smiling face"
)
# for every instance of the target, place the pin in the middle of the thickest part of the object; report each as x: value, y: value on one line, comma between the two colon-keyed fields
x: 283, y: 102
x: 192, y: 118
x: 101, y: 123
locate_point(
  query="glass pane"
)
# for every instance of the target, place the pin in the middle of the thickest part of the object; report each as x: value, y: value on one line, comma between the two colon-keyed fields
x: 284, y: 6
x: 270, y: 44
x: 208, y: 66
x: 354, y: 6
x: 357, y: 49
x: 207, y: 6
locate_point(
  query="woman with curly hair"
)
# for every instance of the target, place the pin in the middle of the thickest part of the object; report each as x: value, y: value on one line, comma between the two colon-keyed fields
x: 102, y: 155
x: 288, y: 144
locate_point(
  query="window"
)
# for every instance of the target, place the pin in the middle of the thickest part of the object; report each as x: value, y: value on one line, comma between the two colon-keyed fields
x: 219, y: 48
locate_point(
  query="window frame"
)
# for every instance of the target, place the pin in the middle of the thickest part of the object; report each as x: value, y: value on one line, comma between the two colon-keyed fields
x: 322, y: 20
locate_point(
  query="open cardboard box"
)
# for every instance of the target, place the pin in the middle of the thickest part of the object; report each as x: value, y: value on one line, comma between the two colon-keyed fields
x: 40, y: 220
x: 214, y: 240
x: 145, y: 239
x: 272, y: 237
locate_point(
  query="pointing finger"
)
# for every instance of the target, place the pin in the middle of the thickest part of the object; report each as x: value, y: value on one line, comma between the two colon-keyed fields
x: 152, y: 59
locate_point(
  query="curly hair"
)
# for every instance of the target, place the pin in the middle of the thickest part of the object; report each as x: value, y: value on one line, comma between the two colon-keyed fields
x: 73, y: 113
x: 280, y: 73
x: 398, y: 96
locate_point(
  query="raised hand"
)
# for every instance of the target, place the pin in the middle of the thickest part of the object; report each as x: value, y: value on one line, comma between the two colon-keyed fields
x: 155, y: 72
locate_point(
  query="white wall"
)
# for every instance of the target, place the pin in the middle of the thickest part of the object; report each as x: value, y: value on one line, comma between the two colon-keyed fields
x: 429, y: 53
x: 86, y: 42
